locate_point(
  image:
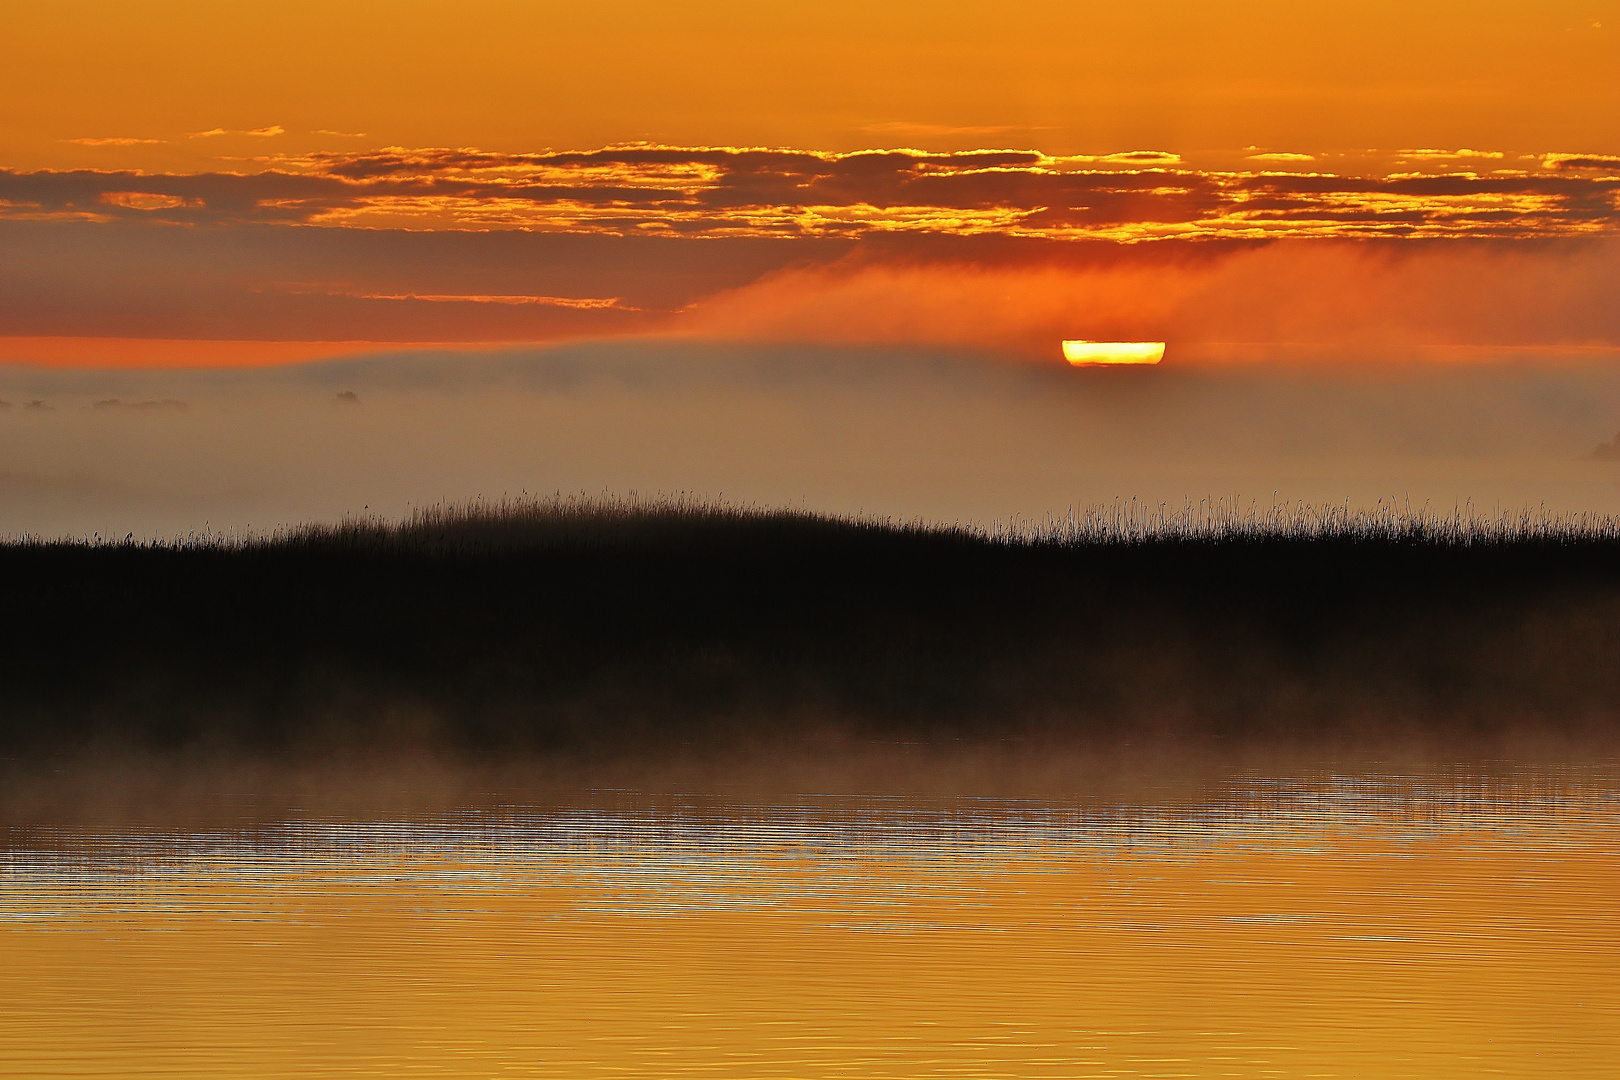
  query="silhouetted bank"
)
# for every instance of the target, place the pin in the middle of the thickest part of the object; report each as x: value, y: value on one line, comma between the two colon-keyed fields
x: 612, y: 630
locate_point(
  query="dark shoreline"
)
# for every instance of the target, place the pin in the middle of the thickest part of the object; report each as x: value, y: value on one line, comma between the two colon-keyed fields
x: 580, y: 633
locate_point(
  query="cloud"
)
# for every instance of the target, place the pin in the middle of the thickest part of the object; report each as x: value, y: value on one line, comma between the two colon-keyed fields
x: 1143, y: 158
x: 260, y: 133
x: 146, y: 200
x: 902, y: 127
x: 1580, y: 161
x: 1448, y: 155
x: 1396, y: 297
x: 993, y: 250
x: 585, y: 303
x: 204, y: 198
x: 140, y: 277
x: 1280, y: 156
x: 727, y: 191
x: 116, y: 142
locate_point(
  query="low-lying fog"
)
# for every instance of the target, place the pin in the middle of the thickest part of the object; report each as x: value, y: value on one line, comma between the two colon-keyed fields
x: 886, y: 432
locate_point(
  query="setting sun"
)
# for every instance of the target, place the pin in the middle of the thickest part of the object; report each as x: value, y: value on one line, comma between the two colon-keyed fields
x: 1085, y: 353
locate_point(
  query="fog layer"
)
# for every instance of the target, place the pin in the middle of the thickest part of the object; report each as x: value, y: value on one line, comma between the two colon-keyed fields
x: 904, y: 433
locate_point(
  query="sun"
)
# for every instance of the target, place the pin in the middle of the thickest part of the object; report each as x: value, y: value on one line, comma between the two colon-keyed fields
x: 1086, y: 353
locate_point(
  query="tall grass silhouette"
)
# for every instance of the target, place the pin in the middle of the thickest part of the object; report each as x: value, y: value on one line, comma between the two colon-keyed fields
x: 527, y: 522
x: 613, y: 625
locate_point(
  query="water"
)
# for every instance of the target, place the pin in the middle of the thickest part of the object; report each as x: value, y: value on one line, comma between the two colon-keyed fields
x: 1453, y: 923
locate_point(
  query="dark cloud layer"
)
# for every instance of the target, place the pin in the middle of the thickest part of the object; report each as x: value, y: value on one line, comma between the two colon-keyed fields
x: 996, y: 250
x: 730, y: 192
x: 991, y: 293
x: 148, y: 279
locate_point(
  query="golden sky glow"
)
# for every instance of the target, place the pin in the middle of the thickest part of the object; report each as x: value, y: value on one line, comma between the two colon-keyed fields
x: 182, y: 170
x: 204, y: 80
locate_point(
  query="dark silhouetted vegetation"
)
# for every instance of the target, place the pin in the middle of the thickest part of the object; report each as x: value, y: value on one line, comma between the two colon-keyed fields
x: 610, y: 628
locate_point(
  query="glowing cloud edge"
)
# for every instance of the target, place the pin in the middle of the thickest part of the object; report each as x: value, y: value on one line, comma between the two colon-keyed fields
x: 1085, y: 353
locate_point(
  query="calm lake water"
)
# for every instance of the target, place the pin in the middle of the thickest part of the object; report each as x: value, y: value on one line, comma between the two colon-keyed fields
x: 1452, y: 923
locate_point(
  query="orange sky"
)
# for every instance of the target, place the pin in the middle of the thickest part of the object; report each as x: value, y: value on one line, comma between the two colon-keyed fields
x: 182, y: 170
x: 1189, y: 76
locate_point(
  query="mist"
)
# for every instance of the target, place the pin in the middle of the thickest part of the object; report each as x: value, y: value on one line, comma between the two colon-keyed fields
x: 899, y: 433
x: 1348, y: 302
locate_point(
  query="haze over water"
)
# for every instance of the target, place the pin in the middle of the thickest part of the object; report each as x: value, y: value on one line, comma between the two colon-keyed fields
x: 1450, y: 922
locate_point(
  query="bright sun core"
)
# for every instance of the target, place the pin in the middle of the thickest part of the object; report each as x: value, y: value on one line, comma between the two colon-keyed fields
x: 1083, y: 353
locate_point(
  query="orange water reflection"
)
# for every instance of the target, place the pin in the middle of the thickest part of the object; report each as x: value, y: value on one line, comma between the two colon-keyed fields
x: 1334, y: 926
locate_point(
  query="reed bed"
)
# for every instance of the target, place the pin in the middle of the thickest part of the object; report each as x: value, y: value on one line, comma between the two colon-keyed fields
x: 1231, y: 520
x: 531, y: 521
x: 528, y: 522
x: 607, y: 625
